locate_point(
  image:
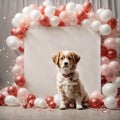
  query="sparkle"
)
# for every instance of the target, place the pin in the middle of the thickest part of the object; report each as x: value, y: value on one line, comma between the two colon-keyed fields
x: 7, y: 56
x: 8, y: 82
x: 7, y: 71
x: 10, y: 67
x: 3, y: 48
x: 0, y: 50
x: 4, y: 17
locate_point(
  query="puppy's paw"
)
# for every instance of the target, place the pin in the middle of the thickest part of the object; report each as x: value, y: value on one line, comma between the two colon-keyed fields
x: 62, y: 107
x: 79, y: 107
x: 85, y: 105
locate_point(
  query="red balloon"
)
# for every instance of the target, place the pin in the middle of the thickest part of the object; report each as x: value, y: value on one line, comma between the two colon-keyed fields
x: 103, y: 50
x: 21, y: 49
x: 57, y: 12
x: 87, y: 6
x: 30, y: 97
x: 61, y: 23
x: 49, y: 99
x: 81, y: 15
x: 42, y: 9
x: 20, y: 81
x: 103, y: 80
x: 118, y: 93
x: 24, y: 105
x: 19, y: 32
x: 44, y: 20
x: 12, y: 90
x: 2, y: 98
x: 118, y: 102
x: 95, y: 103
x: 52, y: 104
x: 62, y: 8
x: 111, y: 54
x: 31, y: 103
x: 112, y: 22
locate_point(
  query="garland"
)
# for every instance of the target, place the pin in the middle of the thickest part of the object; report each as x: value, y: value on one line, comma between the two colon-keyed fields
x: 101, y: 22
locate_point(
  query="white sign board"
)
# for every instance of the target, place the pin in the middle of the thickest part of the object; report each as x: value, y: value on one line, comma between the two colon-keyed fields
x: 43, y: 42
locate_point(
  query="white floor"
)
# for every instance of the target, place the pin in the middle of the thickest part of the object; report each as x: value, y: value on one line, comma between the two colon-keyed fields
x: 17, y: 113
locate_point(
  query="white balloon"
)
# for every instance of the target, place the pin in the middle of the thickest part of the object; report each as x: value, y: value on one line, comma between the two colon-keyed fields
x: 78, y: 7
x: 117, y: 82
x: 118, y: 41
x: 96, y: 25
x: 13, y: 42
x: 35, y: 15
x: 22, y: 94
x: 15, y: 23
x: 54, y: 21
x: 106, y: 15
x: 105, y: 29
x: 17, y: 70
x: 34, y: 24
x: 57, y: 99
x: 16, y: 20
x: 99, y: 11
x: 109, y: 89
x: 63, y: 16
x: 47, y: 3
x: 86, y: 22
x: 20, y: 60
x: 11, y: 101
x: 26, y: 11
x: 49, y: 11
x: 40, y: 103
x: 71, y: 7
x: 110, y: 102
x: 72, y: 19
x: 19, y: 16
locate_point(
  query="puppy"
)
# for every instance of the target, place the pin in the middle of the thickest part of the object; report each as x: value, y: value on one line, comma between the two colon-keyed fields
x: 69, y: 86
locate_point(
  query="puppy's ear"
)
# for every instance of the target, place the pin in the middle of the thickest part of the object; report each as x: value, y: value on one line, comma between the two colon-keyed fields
x: 76, y: 57
x: 55, y: 58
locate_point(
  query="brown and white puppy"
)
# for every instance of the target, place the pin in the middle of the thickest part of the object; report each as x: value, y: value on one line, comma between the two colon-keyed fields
x: 69, y: 86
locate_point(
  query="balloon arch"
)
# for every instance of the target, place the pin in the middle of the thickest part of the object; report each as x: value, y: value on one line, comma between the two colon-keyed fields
x: 101, y: 22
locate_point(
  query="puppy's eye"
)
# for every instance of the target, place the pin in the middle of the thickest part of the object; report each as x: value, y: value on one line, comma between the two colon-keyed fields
x: 69, y: 58
x: 61, y: 58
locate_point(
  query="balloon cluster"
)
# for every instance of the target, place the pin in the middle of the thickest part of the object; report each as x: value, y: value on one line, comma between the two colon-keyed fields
x: 109, y: 99
x: 70, y: 14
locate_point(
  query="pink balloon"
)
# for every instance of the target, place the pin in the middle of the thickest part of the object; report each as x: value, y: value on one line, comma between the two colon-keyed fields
x: 20, y: 60
x: 4, y: 91
x: 110, y: 43
x: 64, y: 17
x: 33, y: 6
x: 105, y: 69
x: 115, y: 66
x: 25, y: 21
x: 72, y: 19
x: 104, y: 60
x: 110, y: 77
x: 17, y: 70
x: 92, y: 16
x: 96, y: 94
x: 22, y: 94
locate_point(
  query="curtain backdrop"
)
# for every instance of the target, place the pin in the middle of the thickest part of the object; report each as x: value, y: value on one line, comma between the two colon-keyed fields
x: 8, y: 8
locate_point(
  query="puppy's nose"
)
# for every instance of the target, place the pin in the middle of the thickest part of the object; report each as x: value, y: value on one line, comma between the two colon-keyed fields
x: 66, y: 63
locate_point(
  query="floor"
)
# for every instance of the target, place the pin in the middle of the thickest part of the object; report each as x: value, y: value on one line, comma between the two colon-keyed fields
x: 17, y: 113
